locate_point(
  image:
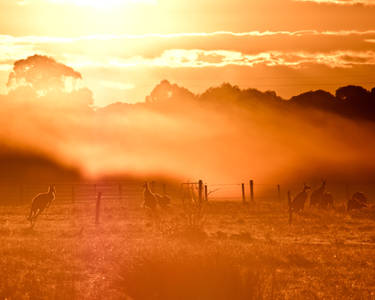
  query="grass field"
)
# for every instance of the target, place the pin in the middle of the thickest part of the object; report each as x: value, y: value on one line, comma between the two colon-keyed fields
x: 234, y: 253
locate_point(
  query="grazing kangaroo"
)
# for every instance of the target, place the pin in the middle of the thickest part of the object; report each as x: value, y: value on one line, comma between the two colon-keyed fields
x: 358, y: 201
x: 40, y: 202
x: 298, y: 203
x: 150, y: 200
x: 317, y: 195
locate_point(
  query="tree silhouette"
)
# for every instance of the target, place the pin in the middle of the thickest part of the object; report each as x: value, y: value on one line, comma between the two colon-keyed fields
x: 43, y: 81
x: 42, y: 73
x: 166, y: 92
x: 352, y: 93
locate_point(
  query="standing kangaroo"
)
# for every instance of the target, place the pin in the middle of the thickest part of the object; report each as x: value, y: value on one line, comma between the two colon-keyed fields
x: 298, y: 203
x: 40, y: 202
x: 317, y: 195
x: 149, y: 199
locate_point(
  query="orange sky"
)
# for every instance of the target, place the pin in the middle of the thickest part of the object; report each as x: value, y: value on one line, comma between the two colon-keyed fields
x: 124, y: 48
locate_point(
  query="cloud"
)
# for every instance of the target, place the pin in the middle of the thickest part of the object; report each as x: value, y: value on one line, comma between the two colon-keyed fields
x: 134, y: 49
x: 198, y: 58
x: 107, y: 37
x: 342, y: 2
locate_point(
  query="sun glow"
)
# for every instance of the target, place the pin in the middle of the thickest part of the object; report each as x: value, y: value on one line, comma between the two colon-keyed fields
x: 104, y: 4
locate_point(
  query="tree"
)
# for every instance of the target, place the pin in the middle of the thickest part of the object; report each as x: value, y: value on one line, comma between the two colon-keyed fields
x: 43, y: 74
x: 352, y: 93
x: 42, y: 80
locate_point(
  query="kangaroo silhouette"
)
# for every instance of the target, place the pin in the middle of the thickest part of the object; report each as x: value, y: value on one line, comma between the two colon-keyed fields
x: 358, y: 201
x: 40, y: 202
x: 317, y: 195
x: 150, y: 200
x: 298, y: 203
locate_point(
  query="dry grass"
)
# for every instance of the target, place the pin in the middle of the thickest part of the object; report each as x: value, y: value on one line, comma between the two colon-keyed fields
x: 239, y: 253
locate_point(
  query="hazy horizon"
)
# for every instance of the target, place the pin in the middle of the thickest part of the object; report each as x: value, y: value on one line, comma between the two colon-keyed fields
x: 223, y: 135
x: 247, y: 43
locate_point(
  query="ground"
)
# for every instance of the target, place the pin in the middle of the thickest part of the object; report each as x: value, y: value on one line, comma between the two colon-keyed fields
x: 230, y: 251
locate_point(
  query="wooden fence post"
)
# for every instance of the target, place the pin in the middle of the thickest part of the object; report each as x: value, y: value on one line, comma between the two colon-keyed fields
x: 252, y: 190
x: 73, y: 193
x: 290, y: 210
x: 243, y: 193
x: 182, y: 193
x: 119, y: 192
x: 200, y: 191
x: 279, y: 192
x: 205, y: 193
x: 97, y: 214
x: 21, y: 193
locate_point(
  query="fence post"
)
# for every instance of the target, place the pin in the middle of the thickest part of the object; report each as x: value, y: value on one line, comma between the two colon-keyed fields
x: 73, y: 193
x: 290, y: 208
x: 182, y: 193
x: 21, y: 193
x: 97, y: 213
x: 252, y: 190
x: 119, y: 192
x: 200, y: 191
x: 279, y: 192
x: 205, y: 193
x: 243, y: 193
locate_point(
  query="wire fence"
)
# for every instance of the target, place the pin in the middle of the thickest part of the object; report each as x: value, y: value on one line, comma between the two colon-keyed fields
x: 259, y: 192
x: 72, y: 192
x: 132, y: 192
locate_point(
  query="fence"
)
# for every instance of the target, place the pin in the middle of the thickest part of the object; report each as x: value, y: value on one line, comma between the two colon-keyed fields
x: 132, y: 192
x: 72, y: 192
x: 252, y: 192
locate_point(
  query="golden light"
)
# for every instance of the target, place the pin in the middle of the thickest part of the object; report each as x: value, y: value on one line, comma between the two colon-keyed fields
x: 104, y: 4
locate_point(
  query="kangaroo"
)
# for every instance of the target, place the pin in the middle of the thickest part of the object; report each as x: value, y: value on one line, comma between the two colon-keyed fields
x: 317, y: 195
x: 40, y: 202
x: 358, y: 201
x: 298, y: 203
x: 149, y: 198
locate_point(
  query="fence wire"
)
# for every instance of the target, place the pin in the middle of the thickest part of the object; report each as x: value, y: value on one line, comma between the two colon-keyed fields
x: 132, y: 192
